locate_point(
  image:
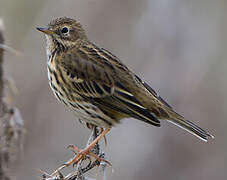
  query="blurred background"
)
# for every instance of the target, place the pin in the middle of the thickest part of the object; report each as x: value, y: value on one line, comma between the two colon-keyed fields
x: 177, y: 46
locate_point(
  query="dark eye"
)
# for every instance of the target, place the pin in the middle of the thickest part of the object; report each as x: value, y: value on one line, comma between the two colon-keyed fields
x: 64, y: 30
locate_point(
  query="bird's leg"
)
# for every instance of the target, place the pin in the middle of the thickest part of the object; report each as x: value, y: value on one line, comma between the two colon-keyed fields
x: 94, y: 155
x: 80, y: 154
x: 86, y: 151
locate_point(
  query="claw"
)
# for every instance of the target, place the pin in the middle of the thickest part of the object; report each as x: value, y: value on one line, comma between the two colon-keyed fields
x: 99, y: 159
x: 73, y: 148
x: 105, y: 140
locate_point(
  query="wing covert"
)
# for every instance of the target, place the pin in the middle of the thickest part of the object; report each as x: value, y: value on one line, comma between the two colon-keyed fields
x: 97, y: 78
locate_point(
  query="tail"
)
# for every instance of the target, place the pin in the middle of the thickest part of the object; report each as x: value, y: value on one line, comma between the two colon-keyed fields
x: 192, y: 128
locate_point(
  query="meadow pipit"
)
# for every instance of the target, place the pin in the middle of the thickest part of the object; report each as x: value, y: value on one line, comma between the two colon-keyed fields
x: 98, y: 87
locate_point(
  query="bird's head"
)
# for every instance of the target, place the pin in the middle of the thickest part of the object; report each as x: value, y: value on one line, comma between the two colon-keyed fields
x: 63, y: 32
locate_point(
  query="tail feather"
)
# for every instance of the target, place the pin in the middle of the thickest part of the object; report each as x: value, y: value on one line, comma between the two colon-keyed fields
x: 192, y: 128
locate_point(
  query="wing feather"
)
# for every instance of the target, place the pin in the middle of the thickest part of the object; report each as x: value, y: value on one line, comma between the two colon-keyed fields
x: 92, y: 72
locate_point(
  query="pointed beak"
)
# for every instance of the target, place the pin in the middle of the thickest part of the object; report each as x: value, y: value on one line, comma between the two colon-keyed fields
x: 45, y: 30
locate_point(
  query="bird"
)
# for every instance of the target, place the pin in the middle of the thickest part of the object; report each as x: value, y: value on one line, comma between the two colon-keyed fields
x: 98, y: 88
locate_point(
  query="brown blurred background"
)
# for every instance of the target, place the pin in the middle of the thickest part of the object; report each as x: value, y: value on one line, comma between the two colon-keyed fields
x: 177, y: 46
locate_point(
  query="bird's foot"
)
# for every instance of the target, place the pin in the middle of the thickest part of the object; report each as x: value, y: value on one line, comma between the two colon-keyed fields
x: 81, y: 154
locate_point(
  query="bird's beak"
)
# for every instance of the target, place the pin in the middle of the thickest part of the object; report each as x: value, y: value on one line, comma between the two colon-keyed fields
x: 45, y: 30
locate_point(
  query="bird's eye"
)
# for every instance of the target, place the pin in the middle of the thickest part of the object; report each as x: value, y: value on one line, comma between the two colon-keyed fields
x: 64, y: 30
